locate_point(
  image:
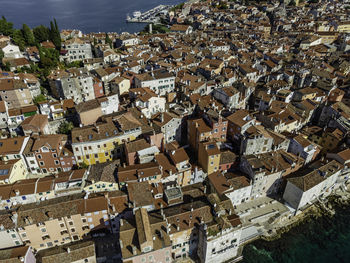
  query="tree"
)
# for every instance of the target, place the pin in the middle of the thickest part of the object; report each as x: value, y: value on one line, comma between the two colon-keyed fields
x: 49, y: 59
x: 65, y: 127
x: 56, y: 26
x: 41, y: 33
x: 28, y: 35
x: 7, y: 66
x: 6, y: 28
x: 55, y: 36
x: 39, y: 98
x: 108, y: 40
x: 1, y: 55
x: 18, y: 39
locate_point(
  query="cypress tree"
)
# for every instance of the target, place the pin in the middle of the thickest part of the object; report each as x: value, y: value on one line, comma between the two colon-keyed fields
x: 28, y: 35
x: 55, y: 36
x: 108, y: 41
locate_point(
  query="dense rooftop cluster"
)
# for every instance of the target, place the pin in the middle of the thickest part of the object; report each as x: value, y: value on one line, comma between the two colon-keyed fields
x: 157, y: 147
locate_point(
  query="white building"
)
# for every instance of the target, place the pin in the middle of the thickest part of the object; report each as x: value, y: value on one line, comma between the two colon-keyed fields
x: 303, y: 147
x: 237, y: 188
x: 8, y: 237
x: 219, y: 243
x: 76, y: 84
x: 109, y: 104
x: 317, y: 181
x: 229, y: 96
x: 147, y: 101
x: 257, y: 140
x: 75, y: 49
x: 169, y: 124
x: 12, y: 51
x: 159, y: 81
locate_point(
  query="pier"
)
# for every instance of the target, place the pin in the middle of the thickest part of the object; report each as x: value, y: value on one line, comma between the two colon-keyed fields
x: 150, y: 16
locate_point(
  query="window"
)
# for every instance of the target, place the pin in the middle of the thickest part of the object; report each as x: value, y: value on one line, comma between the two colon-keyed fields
x: 39, y: 156
x: 54, y: 155
x: 41, y: 163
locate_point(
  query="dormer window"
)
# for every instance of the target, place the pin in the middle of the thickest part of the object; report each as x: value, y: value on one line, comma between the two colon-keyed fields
x: 44, y: 149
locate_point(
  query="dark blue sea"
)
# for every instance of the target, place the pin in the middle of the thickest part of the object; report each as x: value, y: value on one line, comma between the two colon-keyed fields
x: 322, y: 240
x: 86, y: 15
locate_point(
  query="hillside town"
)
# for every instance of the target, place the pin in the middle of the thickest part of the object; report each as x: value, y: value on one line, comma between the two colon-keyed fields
x: 174, y: 146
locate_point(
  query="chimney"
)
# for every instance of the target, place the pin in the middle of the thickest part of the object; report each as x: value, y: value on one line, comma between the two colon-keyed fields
x: 121, y: 222
x: 134, y: 252
x: 150, y: 28
x: 121, y: 243
x: 80, y: 138
x: 162, y: 213
x: 14, y: 218
x: 68, y: 250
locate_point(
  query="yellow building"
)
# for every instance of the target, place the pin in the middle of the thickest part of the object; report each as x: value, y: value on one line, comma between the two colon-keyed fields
x: 120, y: 85
x: 12, y: 171
x: 63, y: 221
x: 102, y: 178
x: 344, y: 27
x: 101, y: 186
x: 97, y: 143
x: 209, y: 157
